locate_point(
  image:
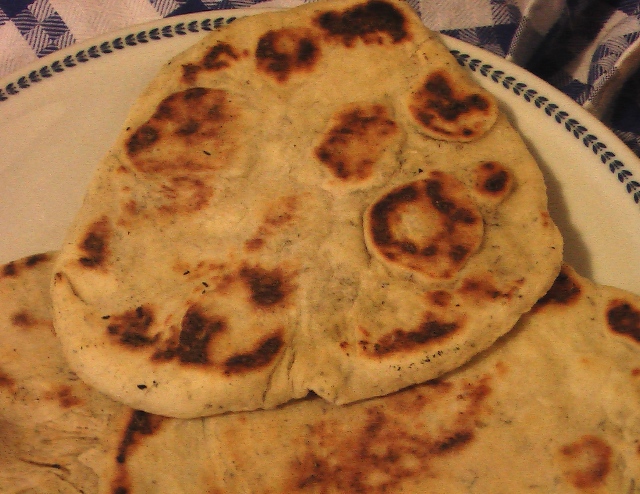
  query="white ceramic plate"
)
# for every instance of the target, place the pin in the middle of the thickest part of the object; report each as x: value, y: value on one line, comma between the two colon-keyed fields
x: 59, y: 116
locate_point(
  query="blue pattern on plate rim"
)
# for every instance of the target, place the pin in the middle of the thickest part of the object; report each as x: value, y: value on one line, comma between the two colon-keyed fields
x: 107, y: 47
x: 529, y: 94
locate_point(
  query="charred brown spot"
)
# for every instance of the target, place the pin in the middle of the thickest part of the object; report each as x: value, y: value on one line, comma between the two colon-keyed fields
x: 166, y: 109
x: 6, y: 381
x: 194, y: 93
x: 36, y: 259
x: 23, y: 319
x: 587, y: 462
x: 132, y: 209
x: 416, y: 401
x: 546, y: 219
x: 66, y: 398
x: 254, y: 244
x: 405, y: 341
x: 381, y: 448
x: 623, y: 318
x: 450, y: 112
x: 10, y: 269
x: 279, y: 214
x: 564, y: 291
x: 408, y: 247
x: 219, y: 57
x: 501, y: 368
x: 447, y: 206
x: 371, y: 22
x: 268, y: 287
x: 445, y: 103
x: 453, y: 442
x: 430, y: 226
x: 196, y: 332
x: 183, y: 195
x: 376, y: 446
x: 188, y: 128
x: 440, y: 298
x: 458, y: 252
x: 190, y: 72
x: 465, y: 216
x: 262, y: 356
x: 280, y: 219
x: 145, y: 137
x: 429, y: 250
x: 356, y: 141
x: 140, y: 424
x: 95, y: 244
x: 481, y: 289
x: 493, y: 179
x: 380, y: 214
x: 496, y: 182
x: 193, y: 130
x: 132, y: 327
x: 286, y: 51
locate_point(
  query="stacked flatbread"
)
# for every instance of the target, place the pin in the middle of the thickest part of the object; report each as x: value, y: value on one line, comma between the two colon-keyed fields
x: 310, y: 207
x: 552, y: 407
x: 318, y: 199
x: 53, y: 427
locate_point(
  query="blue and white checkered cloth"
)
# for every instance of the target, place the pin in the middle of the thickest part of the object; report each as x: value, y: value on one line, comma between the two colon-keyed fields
x: 588, y: 49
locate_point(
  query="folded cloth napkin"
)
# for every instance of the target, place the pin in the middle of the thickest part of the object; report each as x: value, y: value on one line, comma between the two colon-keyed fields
x: 588, y: 49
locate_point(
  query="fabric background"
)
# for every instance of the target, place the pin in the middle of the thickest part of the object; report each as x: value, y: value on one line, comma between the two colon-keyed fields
x: 588, y: 49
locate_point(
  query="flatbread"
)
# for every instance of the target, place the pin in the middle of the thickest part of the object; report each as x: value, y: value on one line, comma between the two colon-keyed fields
x: 53, y: 427
x: 318, y: 199
x: 552, y: 407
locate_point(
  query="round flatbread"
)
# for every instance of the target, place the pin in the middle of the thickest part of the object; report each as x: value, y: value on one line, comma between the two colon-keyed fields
x: 552, y: 407
x: 53, y: 427
x: 317, y: 199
